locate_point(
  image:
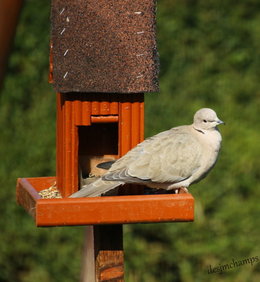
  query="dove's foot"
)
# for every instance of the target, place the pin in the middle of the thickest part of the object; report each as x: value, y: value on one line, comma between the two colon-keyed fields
x: 182, y: 190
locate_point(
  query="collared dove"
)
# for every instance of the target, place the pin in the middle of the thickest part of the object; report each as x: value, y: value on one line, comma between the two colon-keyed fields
x: 170, y: 160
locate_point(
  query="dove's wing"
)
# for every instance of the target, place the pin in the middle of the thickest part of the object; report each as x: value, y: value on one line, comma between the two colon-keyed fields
x: 170, y: 156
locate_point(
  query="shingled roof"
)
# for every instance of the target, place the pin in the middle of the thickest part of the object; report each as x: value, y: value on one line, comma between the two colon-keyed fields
x: 104, y: 46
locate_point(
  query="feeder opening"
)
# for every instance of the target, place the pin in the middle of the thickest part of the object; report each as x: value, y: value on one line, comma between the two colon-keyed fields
x: 97, y: 143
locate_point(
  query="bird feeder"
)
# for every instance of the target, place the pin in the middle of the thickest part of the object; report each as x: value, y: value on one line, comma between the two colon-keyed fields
x: 103, y: 59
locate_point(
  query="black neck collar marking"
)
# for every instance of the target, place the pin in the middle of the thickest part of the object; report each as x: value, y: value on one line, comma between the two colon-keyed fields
x: 199, y: 130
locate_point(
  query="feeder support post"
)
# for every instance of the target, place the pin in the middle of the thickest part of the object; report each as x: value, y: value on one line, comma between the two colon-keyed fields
x: 103, y: 255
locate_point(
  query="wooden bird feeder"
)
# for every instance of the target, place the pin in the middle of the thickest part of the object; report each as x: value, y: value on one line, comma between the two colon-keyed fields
x: 103, y: 60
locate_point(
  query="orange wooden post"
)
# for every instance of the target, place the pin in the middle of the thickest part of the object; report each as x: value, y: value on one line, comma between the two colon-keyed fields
x: 103, y: 255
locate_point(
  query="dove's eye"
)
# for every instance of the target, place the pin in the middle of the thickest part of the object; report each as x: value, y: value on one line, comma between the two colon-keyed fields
x: 204, y: 120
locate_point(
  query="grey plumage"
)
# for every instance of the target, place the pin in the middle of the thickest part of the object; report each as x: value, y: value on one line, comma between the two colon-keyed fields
x: 169, y: 160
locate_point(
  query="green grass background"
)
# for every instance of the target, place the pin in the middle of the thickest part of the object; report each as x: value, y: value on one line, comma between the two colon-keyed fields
x: 209, y: 56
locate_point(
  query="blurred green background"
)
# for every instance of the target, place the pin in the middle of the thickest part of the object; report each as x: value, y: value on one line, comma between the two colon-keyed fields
x: 209, y: 53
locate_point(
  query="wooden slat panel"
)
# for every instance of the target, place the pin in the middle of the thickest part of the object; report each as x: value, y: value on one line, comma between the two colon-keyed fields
x: 95, y: 108
x: 131, y: 122
x: 124, y: 127
x: 113, y: 107
x: 78, y: 111
x: 141, y: 121
x: 86, y: 112
x: 137, y: 120
x: 67, y: 144
x: 104, y: 108
x: 59, y: 140
x: 135, y: 124
x: 74, y: 161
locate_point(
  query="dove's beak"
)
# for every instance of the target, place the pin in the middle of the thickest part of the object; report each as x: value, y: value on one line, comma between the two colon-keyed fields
x: 220, y: 122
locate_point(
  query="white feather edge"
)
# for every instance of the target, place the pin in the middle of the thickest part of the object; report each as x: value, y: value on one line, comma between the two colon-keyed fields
x: 95, y: 189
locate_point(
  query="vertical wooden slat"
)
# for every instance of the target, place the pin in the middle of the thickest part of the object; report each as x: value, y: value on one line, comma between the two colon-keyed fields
x: 68, y: 147
x: 131, y: 118
x: 95, y: 108
x: 141, y: 121
x: 78, y: 110
x: 59, y: 141
x: 85, y: 111
x: 124, y: 126
x: 62, y: 143
x: 104, y: 108
x: 135, y: 123
x: 74, y: 150
x: 58, y: 133
x: 114, y: 104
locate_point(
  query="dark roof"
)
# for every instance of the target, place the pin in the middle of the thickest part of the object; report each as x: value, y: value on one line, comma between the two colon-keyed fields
x: 104, y: 46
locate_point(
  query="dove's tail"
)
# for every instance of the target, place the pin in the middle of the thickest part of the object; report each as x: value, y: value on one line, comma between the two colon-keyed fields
x: 96, y: 188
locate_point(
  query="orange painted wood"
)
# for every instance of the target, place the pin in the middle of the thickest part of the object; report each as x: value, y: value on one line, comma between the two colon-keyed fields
x: 141, y: 108
x: 69, y: 186
x: 113, y: 108
x: 104, y: 119
x: 102, y: 210
x: 104, y: 108
x: 103, y: 254
x: 137, y: 120
x: 109, y: 254
x: 27, y: 195
x: 131, y: 117
x: 125, y: 127
x: 85, y: 111
x: 36, y: 184
x: 59, y: 140
x: 76, y: 110
x: 95, y: 108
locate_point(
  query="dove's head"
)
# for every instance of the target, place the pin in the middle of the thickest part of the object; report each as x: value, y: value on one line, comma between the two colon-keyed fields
x: 205, y: 119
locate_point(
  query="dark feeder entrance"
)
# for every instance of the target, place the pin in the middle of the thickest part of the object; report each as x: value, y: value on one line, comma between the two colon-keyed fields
x: 97, y: 143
